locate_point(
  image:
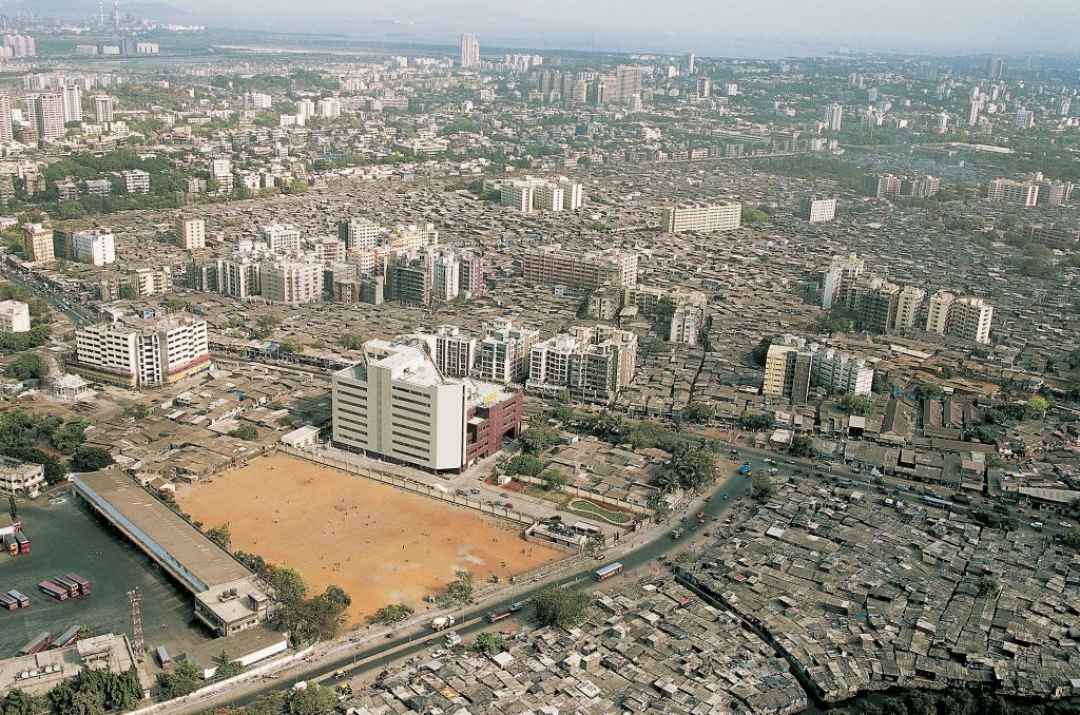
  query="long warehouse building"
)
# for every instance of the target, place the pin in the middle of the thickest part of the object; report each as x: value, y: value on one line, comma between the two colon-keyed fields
x: 228, y: 597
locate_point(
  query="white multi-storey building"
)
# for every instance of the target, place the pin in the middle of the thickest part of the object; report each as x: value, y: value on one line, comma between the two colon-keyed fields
x: 19, y: 479
x: 14, y: 316
x: 588, y: 363
x: 454, y: 351
x: 360, y: 234
x: 470, y: 51
x: 908, y: 303
x: 136, y: 181
x: 970, y: 319
x: 816, y: 210
x: 937, y: 314
x: 839, y: 373
x: 282, y: 239
x: 96, y: 247
x: 104, y: 109
x: 7, y: 132
x: 293, y: 282
x: 191, y: 233
x: 445, y: 275
x: 503, y: 354
x: 72, y: 98
x: 239, y: 277
x: 143, y: 353
x: 703, y: 217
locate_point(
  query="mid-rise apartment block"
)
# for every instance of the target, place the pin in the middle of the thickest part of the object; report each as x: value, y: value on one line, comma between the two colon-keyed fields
x: 282, y: 239
x: 96, y: 247
x: 502, y: 355
x: 138, y: 352
x: 14, y: 316
x: 793, y: 366
x: 292, y: 281
x: 551, y: 265
x: 145, y: 282
x: 45, y: 114
x: 817, y: 210
x: 586, y: 364
x: 136, y: 181
x: 21, y: 479
x: 532, y: 194
x: 702, y: 218
x: 191, y: 233
x: 882, y: 185
x: 39, y: 244
x: 471, y: 278
x: 970, y: 319
x: 398, y: 406
x: 454, y: 351
x: 1017, y: 193
x: 359, y: 234
x: 104, y: 109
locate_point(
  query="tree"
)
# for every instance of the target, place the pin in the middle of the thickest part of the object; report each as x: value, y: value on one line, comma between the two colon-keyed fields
x: 391, y: 614
x: 26, y: 366
x: 761, y: 351
x: 264, y: 326
x: 90, y: 459
x: 525, y: 464
x: 183, y: 679
x: 246, y: 432
x: 561, y: 607
x: 854, y: 404
x: 221, y: 536
x: 488, y: 643
x: 68, y: 436
x: 226, y: 667
x: 461, y: 588
x: 1036, y: 407
x: 753, y: 423
x: 288, y: 585
x: 135, y: 411
x: 536, y: 439
x: 690, y: 466
x: 801, y: 446
x: 554, y: 480
x: 312, y: 700
x: 289, y: 346
x: 761, y: 488
x: 16, y: 702
x: 352, y: 341
x: 698, y: 413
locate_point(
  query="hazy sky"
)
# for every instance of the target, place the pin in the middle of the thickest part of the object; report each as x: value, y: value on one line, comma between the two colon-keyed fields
x: 707, y: 26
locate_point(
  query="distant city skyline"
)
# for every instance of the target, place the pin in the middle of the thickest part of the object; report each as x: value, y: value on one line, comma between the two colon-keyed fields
x: 765, y: 28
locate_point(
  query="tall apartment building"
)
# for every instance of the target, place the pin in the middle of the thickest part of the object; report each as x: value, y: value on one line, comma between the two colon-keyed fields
x: 104, y: 109
x: 7, y: 132
x: 502, y: 355
x: 842, y: 269
x: 409, y: 281
x: 145, y: 282
x: 454, y: 351
x: 191, y: 233
x: 239, y: 277
x: 292, y: 281
x: 398, y: 406
x: 787, y: 372
x: 1019, y: 193
x: 551, y: 265
x: 970, y: 319
x: 920, y: 187
x: 14, y: 316
x: 359, y: 234
x: 882, y: 185
x: 96, y: 247
x: 282, y: 239
x: 136, y: 181
x: 142, y: 353
x: 39, y: 243
x: 45, y: 113
x: 72, y: 102
x: 702, y: 217
x: 445, y: 270
x: 833, y: 117
x: 469, y: 56
x: 908, y: 304
x: 793, y: 366
x: 587, y: 364
x: 533, y: 194
x: 624, y: 86
x: 816, y: 210
x: 471, y: 279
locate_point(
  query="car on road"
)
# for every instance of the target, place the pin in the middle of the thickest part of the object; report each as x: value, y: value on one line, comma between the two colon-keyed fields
x: 1065, y: 525
x: 474, y: 490
x: 516, y: 606
x: 1037, y: 525
x: 508, y: 505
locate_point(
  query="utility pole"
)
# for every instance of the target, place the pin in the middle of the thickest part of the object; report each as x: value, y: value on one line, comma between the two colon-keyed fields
x: 138, y: 645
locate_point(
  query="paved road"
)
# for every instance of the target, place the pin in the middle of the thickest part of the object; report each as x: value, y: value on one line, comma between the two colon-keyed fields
x: 472, y: 620
x: 76, y: 313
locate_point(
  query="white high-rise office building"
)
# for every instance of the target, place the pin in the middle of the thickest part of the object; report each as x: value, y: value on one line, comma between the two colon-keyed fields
x: 7, y: 133
x: 72, y: 103
x: 834, y: 117
x: 470, y: 51
x: 95, y: 247
x: 104, y: 108
x: 191, y: 233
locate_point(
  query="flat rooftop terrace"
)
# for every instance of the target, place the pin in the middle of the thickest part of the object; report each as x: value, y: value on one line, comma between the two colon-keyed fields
x: 195, y: 560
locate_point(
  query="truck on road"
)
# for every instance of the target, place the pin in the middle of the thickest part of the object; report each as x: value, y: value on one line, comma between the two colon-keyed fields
x: 442, y: 623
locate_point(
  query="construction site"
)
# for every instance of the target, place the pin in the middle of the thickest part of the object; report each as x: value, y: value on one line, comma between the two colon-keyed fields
x: 380, y: 544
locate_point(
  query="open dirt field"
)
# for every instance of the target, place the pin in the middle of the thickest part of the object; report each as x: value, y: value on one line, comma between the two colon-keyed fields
x: 381, y: 544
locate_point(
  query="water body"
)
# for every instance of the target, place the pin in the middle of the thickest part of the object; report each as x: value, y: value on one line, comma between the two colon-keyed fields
x: 69, y: 537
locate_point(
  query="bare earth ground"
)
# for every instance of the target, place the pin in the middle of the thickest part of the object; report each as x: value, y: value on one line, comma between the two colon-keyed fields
x: 382, y: 545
